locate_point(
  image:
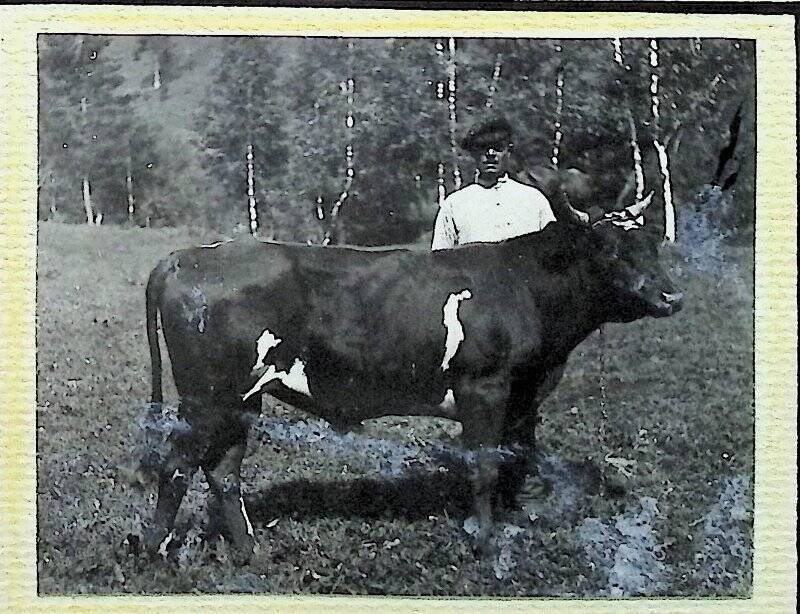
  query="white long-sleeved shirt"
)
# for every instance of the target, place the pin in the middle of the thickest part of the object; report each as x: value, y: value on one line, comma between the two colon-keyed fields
x: 478, y: 214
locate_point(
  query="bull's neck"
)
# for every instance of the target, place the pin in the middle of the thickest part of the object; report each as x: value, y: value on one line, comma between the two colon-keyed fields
x: 570, y: 300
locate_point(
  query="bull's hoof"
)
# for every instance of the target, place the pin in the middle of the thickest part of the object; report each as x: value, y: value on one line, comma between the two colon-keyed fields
x: 484, y: 543
x: 485, y: 546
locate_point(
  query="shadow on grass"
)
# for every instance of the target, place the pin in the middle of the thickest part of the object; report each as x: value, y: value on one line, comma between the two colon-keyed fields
x: 414, y: 496
x: 560, y: 487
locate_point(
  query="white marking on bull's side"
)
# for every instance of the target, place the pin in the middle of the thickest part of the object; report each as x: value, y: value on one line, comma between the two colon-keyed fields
x: 177, y: 475
x: 455, y: 332
x: 162, y: 547
x: 268, y: 375
x: 246, y: 518
x: 295, y: 378
x: 265, y: 343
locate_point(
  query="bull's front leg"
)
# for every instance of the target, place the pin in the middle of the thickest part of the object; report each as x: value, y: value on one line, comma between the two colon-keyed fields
x: 528, y: 390
x: 222, y: 468
x: 481, y: 406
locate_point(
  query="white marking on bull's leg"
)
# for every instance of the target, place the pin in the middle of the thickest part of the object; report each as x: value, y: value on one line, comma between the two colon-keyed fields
x: 455, y: 332
x: 162, y: 547
x: 246, y: 518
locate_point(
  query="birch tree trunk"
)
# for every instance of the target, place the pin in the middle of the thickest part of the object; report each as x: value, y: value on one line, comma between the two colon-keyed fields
x: 636, y: 152
x: 440, y: 187
x: 498, y: 65
x: 86, y: 185
x: 557, y: 134
x: 251, y: 192
x: 87, y: 200
x: 440, y: 182
x: 86, y: 192
x: 663, y: 157
x: 129, y: 186
x: 334, y: 234
x: 53, y: 207
x: 451, y: 106
x: 252, y: 205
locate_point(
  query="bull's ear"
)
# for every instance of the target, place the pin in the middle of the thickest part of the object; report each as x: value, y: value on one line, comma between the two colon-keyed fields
x: 578, y: 185
x: 546, y: 178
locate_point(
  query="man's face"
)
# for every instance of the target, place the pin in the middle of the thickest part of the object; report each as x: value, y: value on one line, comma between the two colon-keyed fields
x: 492, y: 160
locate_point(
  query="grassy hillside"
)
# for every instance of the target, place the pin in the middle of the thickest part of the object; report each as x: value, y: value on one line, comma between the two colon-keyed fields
x: 654, y: 499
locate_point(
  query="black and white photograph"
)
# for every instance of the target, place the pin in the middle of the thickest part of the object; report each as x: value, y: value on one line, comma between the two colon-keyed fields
x: 435, y: 316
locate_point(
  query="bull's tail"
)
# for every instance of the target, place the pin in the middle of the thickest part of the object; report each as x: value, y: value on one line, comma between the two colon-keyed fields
x: 155, y: 288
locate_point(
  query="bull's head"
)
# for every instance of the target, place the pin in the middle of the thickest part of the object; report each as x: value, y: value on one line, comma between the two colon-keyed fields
x: 624, y: 255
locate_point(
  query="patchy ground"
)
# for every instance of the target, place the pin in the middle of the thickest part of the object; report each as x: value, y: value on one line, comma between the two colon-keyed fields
x: 656, y: 499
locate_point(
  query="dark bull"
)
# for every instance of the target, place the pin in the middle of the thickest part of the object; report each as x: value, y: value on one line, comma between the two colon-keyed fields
x: 479, y: 334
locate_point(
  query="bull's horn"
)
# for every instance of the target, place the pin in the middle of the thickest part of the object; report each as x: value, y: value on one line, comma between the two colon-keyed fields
x: 563, y: 208
x: 637, y: 209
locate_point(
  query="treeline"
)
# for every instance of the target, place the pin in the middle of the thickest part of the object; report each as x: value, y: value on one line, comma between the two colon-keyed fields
x: 157, y: 130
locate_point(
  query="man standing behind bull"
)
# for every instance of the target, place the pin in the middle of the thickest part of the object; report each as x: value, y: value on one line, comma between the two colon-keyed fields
x: 495, y: 207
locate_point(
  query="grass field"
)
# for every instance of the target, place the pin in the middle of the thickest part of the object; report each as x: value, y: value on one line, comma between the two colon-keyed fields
x: 656, y: 499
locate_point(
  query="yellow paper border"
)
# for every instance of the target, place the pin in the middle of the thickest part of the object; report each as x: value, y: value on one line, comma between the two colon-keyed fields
x: 774, y: 587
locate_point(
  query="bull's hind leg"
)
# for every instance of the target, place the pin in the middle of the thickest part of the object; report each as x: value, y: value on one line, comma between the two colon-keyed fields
x: 186, y: 450
x: 222, y: 466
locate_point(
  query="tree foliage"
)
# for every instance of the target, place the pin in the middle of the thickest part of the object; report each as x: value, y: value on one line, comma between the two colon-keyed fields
x: 185, y: 142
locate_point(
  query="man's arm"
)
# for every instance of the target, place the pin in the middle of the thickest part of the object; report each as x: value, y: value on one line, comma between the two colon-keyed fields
x: 546, y: 214
x: 445, y: 233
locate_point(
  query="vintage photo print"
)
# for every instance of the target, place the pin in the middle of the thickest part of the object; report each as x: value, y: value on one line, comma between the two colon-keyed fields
x: 322, y: 306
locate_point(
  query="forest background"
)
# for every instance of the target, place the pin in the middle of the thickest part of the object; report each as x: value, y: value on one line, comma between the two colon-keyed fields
x: 176, y: 130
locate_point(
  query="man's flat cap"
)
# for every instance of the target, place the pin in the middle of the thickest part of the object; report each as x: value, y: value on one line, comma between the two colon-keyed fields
x: 487, y: 132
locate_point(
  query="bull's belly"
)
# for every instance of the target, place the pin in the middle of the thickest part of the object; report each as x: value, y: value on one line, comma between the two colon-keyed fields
x: 356, y: 397
x: 348, y: 386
